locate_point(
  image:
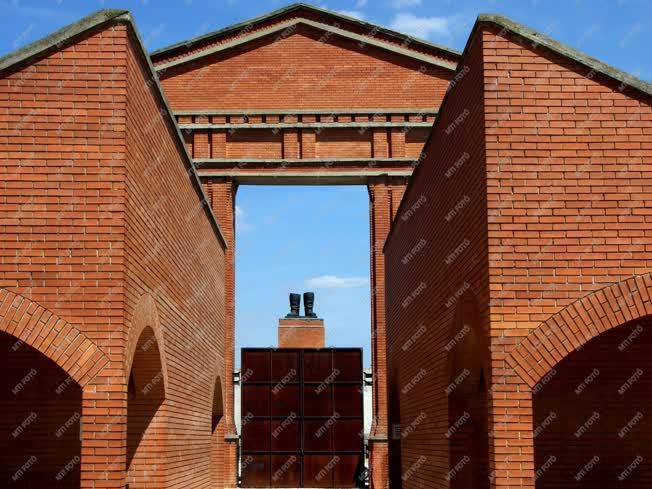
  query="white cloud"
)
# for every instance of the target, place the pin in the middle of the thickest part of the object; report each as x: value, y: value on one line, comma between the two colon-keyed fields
x: 242, y: 221
x: 334, y: 282
x: 405, y: 3
x: 423, y: 27
x: 352, y: 13
x: 361, y: 3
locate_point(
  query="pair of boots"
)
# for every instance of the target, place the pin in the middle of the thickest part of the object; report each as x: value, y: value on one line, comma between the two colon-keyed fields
x: 308, y: 304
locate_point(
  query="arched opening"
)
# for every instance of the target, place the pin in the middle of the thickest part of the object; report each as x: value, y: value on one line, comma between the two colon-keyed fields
x: 41, y: 408
x: 592, y: 424
x: 217, y: 435
x: 468, y: 411
x: 146, y: 426
x: 218, y: 407
x: 395, y: 469
x: 468, y: 435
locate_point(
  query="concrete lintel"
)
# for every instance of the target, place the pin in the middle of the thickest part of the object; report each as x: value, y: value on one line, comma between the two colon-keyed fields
x: 305, y: 125
x: 377, y: 438
x: 289, y: 111
x: 282, y: 163
x: 284, y: 26
x: 305, y: 177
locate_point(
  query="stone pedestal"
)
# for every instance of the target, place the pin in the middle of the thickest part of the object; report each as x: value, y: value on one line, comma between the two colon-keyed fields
x: 301, y: 332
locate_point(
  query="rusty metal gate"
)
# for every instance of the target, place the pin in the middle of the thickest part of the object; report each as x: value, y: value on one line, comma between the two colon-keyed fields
x: 302, y: 422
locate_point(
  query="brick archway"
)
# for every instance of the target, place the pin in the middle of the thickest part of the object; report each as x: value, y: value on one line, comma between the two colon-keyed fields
x: 469, y: 368
x: 219, y: 459
x: 147, y: 382
x: 537, y: 354
x: 52, y: 336
x: 578, y: 323
x: 145, y: 316
x: 78, y: 357
x: 469, y: 346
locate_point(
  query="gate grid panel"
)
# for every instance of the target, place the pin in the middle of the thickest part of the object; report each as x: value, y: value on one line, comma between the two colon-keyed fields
x: 302, y: 417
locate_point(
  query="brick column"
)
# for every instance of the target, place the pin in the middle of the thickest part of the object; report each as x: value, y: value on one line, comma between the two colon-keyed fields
x: 103, y: 432
x: 397, y: 138
x: 384, y: 198
x: 222, y: 196
x: 218, y: 138
x: 291, y: 144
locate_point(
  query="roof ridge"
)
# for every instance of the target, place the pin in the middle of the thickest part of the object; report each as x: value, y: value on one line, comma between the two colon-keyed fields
x: 540, y: 39
x: 55, y: 39
x: 296, y: 6
x: 287, y: 24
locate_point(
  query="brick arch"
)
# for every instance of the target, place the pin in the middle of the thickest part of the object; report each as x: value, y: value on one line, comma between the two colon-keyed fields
x: 218, y: 458
x: 578, y: 323
x: 145, y: 315
x: 217, y: 397
x: 474, y: 344
x: 469, y: 371
x: 54, y: 337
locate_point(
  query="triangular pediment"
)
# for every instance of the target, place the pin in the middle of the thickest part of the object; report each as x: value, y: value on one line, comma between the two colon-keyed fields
x: 303, y: 64
x: 283, y: 23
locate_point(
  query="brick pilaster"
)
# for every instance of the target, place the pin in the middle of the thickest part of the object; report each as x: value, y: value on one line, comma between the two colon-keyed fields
x: 222, y: 196
x: 384, y: 199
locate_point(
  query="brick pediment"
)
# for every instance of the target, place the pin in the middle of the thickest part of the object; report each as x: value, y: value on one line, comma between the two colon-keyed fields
x: 304, y: 66
x: 281, y: 23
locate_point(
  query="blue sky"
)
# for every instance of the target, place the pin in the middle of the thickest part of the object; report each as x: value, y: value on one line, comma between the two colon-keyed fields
x: 299, y: 239
x: 316, y: 238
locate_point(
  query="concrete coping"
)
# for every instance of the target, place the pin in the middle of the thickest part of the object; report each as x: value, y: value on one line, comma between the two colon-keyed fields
x: 305, y: 125
x: 539, y: 39
x: 292, y: 24
x: 288, y: 322
x: 246, y: 25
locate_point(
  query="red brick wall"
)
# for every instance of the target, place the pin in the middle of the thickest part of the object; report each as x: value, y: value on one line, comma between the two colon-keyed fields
x: 222, y: 193
x: 97, y: 210
x: 62, y: 191
x: 568, y: 159
x: 566, y: 172
x: 173, y: 254
x: 300, y: 71
x: 443, y: 209
x: 62, y: 184
x: 253, y: 143
x: 344, y: 143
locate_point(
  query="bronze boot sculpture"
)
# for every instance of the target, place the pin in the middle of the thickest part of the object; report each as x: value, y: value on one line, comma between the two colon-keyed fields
x: 308, y: 303
x: 295, y: 305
